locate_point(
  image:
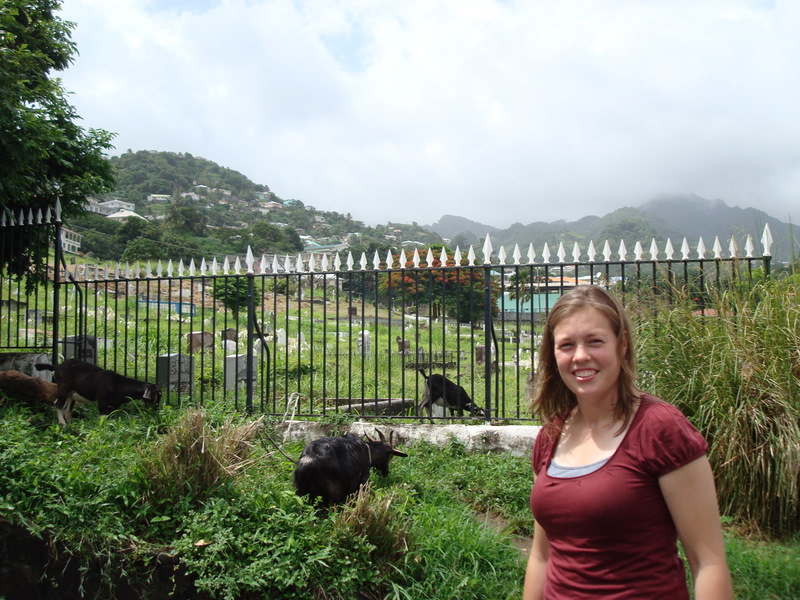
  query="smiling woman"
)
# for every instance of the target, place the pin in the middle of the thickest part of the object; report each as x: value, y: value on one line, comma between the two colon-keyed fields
x: 620, y: 475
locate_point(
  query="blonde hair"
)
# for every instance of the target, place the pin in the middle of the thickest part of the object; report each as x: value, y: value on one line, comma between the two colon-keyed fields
x: 552, y: 399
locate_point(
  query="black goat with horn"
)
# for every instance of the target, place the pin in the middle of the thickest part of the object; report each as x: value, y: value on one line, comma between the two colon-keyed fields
x: 332, y: 468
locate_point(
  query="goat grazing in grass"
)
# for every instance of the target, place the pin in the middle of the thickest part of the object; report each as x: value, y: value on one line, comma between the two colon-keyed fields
x: 441, y: 391
x: 332, y: 468
x: 108, y: 388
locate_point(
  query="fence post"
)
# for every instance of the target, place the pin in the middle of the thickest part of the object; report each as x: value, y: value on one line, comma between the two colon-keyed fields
x: 487, y: 327
x: 59, y: 257
x: 251, y: 326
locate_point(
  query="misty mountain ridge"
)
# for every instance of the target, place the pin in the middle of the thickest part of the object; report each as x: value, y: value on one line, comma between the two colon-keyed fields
x: 675, y: 217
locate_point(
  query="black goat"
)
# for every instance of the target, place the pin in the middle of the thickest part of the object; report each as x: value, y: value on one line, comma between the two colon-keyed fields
x: 332, y: 468
x: 108, y: 388
x: 441, y: 391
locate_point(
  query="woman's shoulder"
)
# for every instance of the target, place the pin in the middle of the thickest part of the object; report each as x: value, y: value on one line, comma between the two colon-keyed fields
x: 665, y: 436
x: 653, y: 407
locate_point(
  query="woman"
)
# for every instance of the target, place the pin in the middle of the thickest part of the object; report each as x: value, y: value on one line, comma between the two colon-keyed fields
x: 620, y: 475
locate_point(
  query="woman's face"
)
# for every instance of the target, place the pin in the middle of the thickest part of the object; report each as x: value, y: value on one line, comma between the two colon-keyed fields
x: 588, y: 354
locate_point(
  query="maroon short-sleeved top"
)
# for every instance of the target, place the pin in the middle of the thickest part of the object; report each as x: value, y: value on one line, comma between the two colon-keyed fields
x: 610, y: 532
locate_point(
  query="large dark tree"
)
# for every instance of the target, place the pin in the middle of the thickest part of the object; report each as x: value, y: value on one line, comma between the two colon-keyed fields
x: 44, y: 154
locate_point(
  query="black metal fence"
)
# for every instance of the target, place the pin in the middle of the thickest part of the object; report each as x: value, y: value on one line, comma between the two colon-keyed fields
x: 328, y: 336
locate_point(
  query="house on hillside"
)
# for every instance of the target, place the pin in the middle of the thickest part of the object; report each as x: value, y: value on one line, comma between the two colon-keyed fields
x: 125, y: 214
x: 109, y: 207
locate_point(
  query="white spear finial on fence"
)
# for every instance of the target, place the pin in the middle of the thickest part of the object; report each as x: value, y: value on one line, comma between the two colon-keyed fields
x: 38, y: 216
x: 403, y: 258
x: 471, y: 256
x: 337, y: 262
x: 324, y: 265
x: 487, y: 250
x: 415, y: 259
x: 264, y: 264
x: 148, y: 271
x: 457, y: 257
x: 250, y: 260
x: 637, y: 252
x: 312, y: 262
x: 576, y: 253
x: 58, y: 210
x: 623, y: 251
x: 501, y: 255
x: 701, y: 249
x: 653, y: 249
x: 191, y: 268
x: 376, y: 261
x: 685, y: 249
x: 299, y: 266
x: 717, y: 248
x: 546, y: 253
x: 669, y: 250
x: 276, y: 266
x: 607, y: 252
x: 591, y: 252
x: 350, y: 261
x: 766, y: 240
x: 517, y: 254
x: 531, y: 254
x: 287, y: 264
x: 749, y: 246
x: 562, y: 254
x: 363, y: 262
x: 443, y: 258
x: 429, y: 257
x: 733, y: 248
x: 169, y: 267
x: 48, y: 216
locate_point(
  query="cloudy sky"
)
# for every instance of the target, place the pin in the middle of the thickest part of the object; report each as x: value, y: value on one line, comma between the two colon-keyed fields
x: 498, y: 111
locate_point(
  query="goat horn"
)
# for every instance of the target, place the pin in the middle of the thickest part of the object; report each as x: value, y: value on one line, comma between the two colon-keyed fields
x: 380, y: 435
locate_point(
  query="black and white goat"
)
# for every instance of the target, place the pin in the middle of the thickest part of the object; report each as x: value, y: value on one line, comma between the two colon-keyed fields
x: 332, y: 468
x: 441, y: 391
x: 108, y: 388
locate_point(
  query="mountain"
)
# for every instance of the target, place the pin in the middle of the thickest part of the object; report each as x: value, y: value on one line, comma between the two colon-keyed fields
x: 674, y: 217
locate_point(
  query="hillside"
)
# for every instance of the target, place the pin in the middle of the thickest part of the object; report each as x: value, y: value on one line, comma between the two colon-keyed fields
x: 221, y: 198
x: 673, y: 217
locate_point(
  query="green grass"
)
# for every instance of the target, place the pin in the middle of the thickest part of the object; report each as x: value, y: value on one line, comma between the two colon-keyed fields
x: 103, y: 489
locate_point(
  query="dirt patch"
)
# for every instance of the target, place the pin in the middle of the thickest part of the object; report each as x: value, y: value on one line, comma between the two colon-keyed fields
x: 498, y: 523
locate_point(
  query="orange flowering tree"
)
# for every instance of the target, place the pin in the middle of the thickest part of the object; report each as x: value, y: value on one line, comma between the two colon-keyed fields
x: 456, y: 292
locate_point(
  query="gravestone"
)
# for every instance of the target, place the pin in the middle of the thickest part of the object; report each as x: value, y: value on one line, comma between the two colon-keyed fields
x: 480, y: 354
x: 83, y: 347
x: 364, y: 342
x: 175, y: 372
x: 199, y: 340
x: 236, y: 370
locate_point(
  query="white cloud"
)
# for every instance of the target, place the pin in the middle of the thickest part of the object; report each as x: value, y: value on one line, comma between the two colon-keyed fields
x: 496, y: 111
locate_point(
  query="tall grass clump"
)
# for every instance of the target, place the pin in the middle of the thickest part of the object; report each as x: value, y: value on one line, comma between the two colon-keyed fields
x: 195, y: 457
x: 733, y: 369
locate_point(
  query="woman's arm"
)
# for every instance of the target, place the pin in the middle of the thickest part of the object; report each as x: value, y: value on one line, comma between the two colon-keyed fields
x: 692, y: 501
x: 537, y: 564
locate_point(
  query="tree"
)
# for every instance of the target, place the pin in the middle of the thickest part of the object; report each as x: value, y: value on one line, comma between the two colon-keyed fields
x: 233, y: 292
x: 44, y: 155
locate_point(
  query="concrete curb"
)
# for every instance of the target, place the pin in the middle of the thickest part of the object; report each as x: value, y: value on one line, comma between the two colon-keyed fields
x: 514, y: 439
